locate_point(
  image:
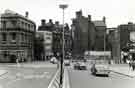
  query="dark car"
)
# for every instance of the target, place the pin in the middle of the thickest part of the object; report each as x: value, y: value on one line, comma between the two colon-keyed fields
x: 76, y: 66
x: 82, y: 66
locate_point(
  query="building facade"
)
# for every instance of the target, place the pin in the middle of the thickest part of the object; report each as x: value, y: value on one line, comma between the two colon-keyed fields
x: 127, y: 39
x: 54, y: 45
x: 46, y: 36
x: 100, y: 35
x: 87, y: 35
x: 114, y: 44
x: 17, y: 34
x: 58, y: 39
x: 43, y: 45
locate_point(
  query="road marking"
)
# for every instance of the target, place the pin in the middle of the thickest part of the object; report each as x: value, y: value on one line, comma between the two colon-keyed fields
x: 53, y: 79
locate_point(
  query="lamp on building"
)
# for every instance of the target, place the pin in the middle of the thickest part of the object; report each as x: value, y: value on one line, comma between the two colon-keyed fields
x: 63, y: 7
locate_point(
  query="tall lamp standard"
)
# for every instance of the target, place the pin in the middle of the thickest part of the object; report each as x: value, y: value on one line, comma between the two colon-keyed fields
x: 63, y: 7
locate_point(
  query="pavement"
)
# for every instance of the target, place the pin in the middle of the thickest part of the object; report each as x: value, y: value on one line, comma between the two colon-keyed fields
x: 27, y: 75
x: 122, y: 69
x: 66, y: 83
x: 2, y: 72
x: 34, y: 64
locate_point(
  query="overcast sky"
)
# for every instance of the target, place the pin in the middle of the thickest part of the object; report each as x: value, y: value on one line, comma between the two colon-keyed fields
x: 116, y: 11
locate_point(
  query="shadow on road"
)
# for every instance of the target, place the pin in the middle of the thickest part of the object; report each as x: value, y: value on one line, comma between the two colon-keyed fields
x: 101, y: 75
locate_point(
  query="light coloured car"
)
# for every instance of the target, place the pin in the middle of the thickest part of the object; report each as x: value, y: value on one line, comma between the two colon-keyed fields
x: 53, y: 60
x: 100, y: 70
x: 67, y: 62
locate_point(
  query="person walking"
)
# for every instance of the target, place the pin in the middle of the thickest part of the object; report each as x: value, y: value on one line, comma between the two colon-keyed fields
x: 133, y: 65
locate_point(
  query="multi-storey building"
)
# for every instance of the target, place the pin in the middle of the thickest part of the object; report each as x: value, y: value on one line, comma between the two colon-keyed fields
x: 88, y: 35
x: 58, y: 39
x: 127, y: 39
x: 45, y: 33
x: 16, y: 37
x: 114, y: 44
x: 55, y: 34
x: 127, y: 33
x: 100, y: 35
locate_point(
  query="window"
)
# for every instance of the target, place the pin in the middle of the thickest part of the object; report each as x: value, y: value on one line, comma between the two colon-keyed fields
x: 4, y: 37
x: 22, y: 37
x: 14, y: 23
x: 3, y: 24
x: 48, y: 38
x: 13, y: 36
x: 5, y: 54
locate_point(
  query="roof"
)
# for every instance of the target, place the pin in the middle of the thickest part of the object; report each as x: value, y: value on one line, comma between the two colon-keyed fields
x: 9, y: 13
x: 99, y: 23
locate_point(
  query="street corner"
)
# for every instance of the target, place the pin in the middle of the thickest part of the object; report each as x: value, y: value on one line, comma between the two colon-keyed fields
x: 2, y: 72
x: 128, y: 73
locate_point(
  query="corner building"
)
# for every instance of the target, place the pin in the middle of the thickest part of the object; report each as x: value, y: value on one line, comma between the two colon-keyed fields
x: 16, y: 37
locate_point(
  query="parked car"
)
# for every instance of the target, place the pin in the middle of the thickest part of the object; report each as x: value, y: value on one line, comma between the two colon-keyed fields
x: 100, y: 70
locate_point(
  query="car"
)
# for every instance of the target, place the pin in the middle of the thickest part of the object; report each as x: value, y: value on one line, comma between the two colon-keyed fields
x: 76, y: 66
x: 66, y: 62
x: 100, y: 70
x: 80, y: 66
x: 53, y: 60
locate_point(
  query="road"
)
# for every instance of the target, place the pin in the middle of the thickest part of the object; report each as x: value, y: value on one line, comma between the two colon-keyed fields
x: 30, y: 75
x: 84, y: 79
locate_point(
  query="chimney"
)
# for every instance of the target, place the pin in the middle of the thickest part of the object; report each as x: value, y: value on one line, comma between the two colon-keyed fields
x: 79, y: 13
x: 26, y: 14
x: 104, y: 19
x: 43, y: 22
x: 89, y: 18
x: 57, y: 22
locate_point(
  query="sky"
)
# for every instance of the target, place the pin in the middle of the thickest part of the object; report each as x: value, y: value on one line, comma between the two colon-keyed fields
x: 116, y: 11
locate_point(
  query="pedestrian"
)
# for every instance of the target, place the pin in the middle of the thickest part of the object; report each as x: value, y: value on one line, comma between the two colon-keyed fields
x: 133, y: 65
x: 130, y: 64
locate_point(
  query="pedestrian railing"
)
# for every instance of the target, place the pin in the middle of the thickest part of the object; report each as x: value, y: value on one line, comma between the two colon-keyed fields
x: 55, y: 81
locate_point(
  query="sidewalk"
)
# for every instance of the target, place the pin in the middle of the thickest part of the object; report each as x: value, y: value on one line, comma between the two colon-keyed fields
x: 2, y: 72
x: 34, y: 64
x: 122, y: 69
x: 66, y: 79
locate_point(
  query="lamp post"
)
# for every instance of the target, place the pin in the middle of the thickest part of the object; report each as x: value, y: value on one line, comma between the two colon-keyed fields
x: 63, y: 7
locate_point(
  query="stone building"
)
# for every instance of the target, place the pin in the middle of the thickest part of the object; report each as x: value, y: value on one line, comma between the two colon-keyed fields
x: 58, y: 39
x: 55, y: 30
x: 17, y: 34
x: 45, y: 34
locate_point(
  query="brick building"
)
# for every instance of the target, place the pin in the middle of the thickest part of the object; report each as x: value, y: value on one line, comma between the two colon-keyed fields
x: 87, y: 35
x: 17, y: 34
x: 114, y: 44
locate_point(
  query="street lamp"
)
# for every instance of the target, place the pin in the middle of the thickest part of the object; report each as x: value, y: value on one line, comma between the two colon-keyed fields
x: 63, y: 7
